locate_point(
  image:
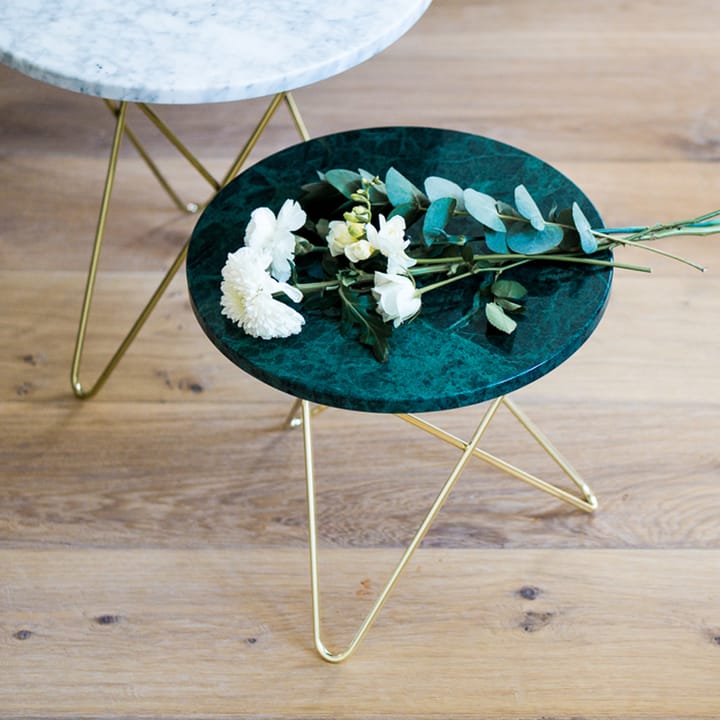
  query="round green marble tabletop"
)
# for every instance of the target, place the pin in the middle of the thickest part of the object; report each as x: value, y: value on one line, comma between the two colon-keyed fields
x: 431, y: 367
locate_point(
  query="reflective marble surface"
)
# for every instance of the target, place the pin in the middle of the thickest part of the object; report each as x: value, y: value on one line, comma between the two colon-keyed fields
x: 431, y: 367
x: 195, y: 51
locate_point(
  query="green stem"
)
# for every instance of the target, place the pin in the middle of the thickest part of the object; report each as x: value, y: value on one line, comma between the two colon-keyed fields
x: 628, y: 242
x: 441, y: 283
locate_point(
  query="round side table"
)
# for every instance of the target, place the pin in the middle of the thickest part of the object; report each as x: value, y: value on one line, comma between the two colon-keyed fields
x: 185, y: 51
x: 431, y: 367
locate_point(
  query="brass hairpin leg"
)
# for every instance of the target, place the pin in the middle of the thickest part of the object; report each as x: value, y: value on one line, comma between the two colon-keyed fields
x: 121, y: 129
x: 588, y: 502
x: 337, y: 657
x: 469, y: 449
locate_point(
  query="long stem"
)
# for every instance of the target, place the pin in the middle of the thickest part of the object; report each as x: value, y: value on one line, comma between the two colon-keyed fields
x: 447, y: 281
x: 627, y: 242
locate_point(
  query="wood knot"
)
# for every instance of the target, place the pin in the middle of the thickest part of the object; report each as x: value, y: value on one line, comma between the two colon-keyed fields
x: 107, y: 619
x: 528, y: 592
x: 23, y: 634
x: 534, y: 621
x: 365, y: 589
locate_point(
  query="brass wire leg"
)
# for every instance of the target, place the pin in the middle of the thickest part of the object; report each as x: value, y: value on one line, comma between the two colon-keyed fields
x: 469, y: 449
x: 122, y: 129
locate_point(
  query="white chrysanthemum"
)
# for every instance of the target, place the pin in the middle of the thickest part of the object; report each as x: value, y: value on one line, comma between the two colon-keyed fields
x: 396, y: 296
x: 247, y: 296
x: 390, y: 240
x: 275, y: 235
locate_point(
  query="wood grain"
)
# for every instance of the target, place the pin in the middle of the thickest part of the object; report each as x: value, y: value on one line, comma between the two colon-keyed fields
x: 152, y: 540
x: 171, y: 633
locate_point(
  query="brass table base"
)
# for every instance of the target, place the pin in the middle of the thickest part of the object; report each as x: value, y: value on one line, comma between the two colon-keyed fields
x: 122, y: 129
x: 586, y: 501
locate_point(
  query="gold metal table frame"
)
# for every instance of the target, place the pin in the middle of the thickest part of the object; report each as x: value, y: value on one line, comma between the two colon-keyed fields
x: 122, y: 129
x: 301, y: 415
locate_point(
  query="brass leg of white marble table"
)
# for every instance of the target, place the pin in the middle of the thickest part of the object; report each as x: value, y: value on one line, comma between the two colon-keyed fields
x: 469, y: 449
x: 121, y: 130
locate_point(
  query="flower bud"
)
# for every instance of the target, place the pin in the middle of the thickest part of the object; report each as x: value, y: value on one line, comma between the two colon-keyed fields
x: 356, y: 229
x: 361, y: 213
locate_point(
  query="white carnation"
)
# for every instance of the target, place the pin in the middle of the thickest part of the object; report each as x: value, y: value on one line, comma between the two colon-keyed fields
x: 275, y: 235
x: 390, y: 240
x: 396, y: 296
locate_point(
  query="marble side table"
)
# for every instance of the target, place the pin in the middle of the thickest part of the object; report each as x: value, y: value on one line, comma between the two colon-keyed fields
x: 188, y: 51
x: 431, y: 366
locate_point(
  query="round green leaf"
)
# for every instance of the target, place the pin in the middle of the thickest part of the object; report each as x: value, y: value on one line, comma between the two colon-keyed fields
x: 582, y: 225
x: 437, y: 187
x: 484, y: 209
x: 497, y: 318
x: 528, y: 208
x: 526, y: 240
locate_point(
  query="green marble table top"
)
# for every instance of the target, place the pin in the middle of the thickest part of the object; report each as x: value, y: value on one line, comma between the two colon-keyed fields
x: 430, y: 367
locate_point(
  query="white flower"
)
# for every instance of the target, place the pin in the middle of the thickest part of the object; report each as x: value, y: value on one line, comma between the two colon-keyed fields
x: 390, y: 240
x: 247, y: 296
x: 342, y: 242
x: 396, y: 296
x: 338, y: 237
x: 275, y: 235
x: 360, y: 250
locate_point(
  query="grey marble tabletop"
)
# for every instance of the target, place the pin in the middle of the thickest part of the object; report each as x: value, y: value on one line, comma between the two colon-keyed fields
x: 195, y: 51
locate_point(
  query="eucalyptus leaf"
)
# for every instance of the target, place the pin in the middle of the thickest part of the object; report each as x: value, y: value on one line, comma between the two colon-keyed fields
x: 496, y: 242
x: 510, y: 289
x: 484, y: 209
x: 527, y: 240
x: 401, y: 191
x: 507, y: 209
x: 437, y: 187
x: 528, y: 208
x: 410, y: 211
x: 345, y: 181
x: 436, y: 218
x: 509, y: 305
x: 588, y: 241
x: 497, y: 318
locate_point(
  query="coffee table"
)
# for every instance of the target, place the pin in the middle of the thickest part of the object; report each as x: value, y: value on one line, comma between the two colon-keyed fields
x: 188, y: 51
x: 431, y: 367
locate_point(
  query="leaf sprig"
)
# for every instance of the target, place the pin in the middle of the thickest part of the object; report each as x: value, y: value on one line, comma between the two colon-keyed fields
x: 455, y: 233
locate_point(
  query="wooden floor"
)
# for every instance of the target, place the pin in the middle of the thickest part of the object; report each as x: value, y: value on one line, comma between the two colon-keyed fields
x: 152, y: 540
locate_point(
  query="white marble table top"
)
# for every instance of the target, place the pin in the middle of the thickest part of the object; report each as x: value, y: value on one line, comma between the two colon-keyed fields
x: 195, y: 51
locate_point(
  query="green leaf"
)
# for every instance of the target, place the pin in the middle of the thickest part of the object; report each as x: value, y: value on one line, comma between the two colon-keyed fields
x: 401, y: 191
x: 510, y: 289
x: 525, y: 239
x: 436, y: 218
x: 528, y: 208
x: 410, y: 211
x: 484, y: 209
x: 496, y: 241
x: 508, y: 304
x: 437, y: 187
x: 345, y: 181
x: 498, y: 319
x: 587, y: 240
x: 359, y: 318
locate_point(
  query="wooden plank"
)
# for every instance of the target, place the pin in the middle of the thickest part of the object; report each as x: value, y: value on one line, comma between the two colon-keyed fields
x: 225, y: 633
x: 196, y: 473
x: 152, y: 541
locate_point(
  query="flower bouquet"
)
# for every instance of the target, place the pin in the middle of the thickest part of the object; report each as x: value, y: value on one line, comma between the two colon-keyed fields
x: 368, y: 250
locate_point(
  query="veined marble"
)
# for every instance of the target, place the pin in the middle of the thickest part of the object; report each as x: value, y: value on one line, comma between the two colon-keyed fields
x: 195, y: 51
